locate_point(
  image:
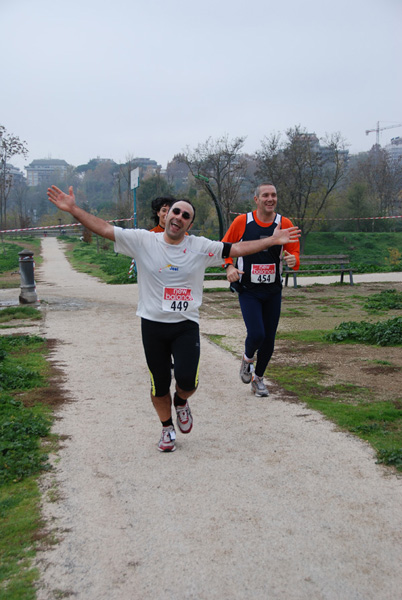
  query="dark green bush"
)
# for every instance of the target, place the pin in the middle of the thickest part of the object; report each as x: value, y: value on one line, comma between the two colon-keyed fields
x: 384, y: 333
x: 17, y: 377
x: 391, y: 457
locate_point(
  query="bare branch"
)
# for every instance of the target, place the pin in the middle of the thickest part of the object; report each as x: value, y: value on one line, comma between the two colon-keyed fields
x: 221, y: 161
x: 304, y: 171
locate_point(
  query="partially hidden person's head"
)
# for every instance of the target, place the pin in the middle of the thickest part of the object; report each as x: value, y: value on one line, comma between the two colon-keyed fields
x: 180, y: 218
x: 160, y: 208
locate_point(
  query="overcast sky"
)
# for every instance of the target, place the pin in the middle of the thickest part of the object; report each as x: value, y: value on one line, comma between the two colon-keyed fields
x: 114, y: 78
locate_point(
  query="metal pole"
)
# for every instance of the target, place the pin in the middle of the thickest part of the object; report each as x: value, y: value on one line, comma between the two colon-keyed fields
x: 135, y: 208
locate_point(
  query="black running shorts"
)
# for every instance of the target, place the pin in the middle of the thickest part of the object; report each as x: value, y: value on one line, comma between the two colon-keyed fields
x: 162, y: 341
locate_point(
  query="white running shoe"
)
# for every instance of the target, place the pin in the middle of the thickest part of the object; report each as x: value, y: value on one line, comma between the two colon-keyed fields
x: 167, y: 441
x: 258, y: 386
x: 184, y: 418
x: 246, y: 370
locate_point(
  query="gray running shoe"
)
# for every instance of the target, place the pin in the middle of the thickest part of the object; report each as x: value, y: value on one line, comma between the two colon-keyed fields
x: 184, y: 418
x: 246, y: 370
x: 258, y: 386
x: 167, y: 441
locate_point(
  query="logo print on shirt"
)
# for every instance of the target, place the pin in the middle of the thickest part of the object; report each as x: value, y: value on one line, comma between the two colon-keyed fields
x: 178, y: 294
x: 170, y: 267
x: 263, y: 269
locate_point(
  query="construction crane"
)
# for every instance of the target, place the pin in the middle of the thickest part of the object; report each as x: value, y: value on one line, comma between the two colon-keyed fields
x: 378, y: 129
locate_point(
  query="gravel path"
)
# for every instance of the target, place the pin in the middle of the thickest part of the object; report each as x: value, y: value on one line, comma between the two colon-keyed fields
x: 263, y: 500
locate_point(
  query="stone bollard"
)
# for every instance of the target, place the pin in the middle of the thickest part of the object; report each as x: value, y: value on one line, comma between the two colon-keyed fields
x: 28, y: 288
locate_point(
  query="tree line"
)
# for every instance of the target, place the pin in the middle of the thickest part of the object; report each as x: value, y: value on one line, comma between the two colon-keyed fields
x: 320, y: 186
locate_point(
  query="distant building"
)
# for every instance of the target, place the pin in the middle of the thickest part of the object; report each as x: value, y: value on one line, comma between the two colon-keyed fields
x: 17, y: 175
x: 92, y: 164
x: 177, y: 173
x: 148, y: 167
x: 394, y: 149
x: 326, y: 152
x: 45, y: 169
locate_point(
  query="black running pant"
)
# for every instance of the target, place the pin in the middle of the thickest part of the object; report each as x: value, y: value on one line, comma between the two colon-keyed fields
x: 162, y: 341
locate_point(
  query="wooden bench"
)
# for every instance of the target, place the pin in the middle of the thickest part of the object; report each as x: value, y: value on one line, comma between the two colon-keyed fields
x: 339, y: 263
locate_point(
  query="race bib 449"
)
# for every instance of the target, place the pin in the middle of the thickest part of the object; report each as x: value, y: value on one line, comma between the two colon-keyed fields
x: 176, y: 299
x: 263, y: 273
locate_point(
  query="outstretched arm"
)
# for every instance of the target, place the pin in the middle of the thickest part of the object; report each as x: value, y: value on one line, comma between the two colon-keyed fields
x: 278, y: 238
x: 66, y: 202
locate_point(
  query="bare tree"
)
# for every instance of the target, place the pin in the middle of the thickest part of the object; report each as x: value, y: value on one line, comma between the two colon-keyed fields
x: 124, y: 194
x: 304, y: 172
x: 18, y: 199
x: 222, y: 163
x: 10, y: 145
x: 382, y: 174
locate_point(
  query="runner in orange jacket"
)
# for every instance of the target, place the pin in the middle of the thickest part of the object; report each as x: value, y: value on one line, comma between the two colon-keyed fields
x: 258, y: 280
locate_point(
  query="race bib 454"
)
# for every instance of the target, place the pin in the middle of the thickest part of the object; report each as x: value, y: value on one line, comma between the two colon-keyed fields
x: 177, y: 299
x: 263, y: 273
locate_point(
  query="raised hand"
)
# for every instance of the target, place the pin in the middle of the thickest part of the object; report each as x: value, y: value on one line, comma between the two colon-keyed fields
x: 63, y: 201
x: 285, y: 236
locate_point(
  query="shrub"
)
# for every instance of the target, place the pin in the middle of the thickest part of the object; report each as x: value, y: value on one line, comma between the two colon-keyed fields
x: 384, y: 333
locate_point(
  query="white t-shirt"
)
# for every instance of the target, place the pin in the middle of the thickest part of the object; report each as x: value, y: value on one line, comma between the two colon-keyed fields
x: 170, y: 276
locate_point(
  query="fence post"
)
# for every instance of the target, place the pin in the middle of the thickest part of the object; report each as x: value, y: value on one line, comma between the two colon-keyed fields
x: 28, y: 288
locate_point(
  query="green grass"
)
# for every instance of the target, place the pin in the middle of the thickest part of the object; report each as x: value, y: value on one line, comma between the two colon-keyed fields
x: 306, y: 336
x: 99, y: 260
x: 351, y: 407
x: 20, y: 522
x: 9, y: 259
x: 24, y: 423
x: 384, y: 301
x: 293, y: 312
x: 23, y: 367
x: 368, y: 252
x: 13, y: 313
x: 219, y: 340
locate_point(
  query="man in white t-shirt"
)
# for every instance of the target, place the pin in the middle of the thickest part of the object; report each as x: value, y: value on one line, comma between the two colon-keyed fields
x: 171, y: 268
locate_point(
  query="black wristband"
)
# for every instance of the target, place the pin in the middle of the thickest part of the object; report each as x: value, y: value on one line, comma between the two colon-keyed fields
x: 226, y: 249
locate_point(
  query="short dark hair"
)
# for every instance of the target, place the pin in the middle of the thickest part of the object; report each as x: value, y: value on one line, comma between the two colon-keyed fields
x: 188, y: 202
x: 259, y: 186
x: 157, y: 204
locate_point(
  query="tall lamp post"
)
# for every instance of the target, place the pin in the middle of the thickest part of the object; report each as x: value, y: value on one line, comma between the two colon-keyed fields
x: 205, y: 181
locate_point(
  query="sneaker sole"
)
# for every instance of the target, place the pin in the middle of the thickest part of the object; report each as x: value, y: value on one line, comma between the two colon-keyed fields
x: 260, y: 394
x: 167, y: 449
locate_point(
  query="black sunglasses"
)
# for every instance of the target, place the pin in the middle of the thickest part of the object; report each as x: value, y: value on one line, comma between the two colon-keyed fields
x: 186, y: 215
